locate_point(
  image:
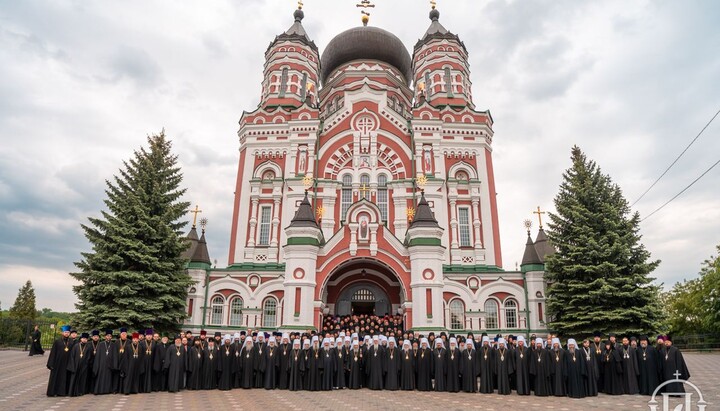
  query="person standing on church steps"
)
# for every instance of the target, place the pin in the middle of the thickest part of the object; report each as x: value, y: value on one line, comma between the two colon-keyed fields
x: 374, y: 364
x: 354, y: 366
x: 673, y: 367
x: 392, y: 365
x: 296, y: 366
x: 650, y: 366
x: 540, y: 370
x: 592, y: 373
x: 327, y: 365
x: 630, y: 368
x: 407, y: 367
x: 78, y: 367
x: 343, y: 349
x: 175, y: 360
x: 36, y: 342
x: 57, y: 364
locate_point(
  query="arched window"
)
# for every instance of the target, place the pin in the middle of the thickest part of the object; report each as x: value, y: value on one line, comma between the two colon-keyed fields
x: 511, y: 311
x: 365, y: 186
x: 346, y: 195
x: 448, y: 82
x: 491, y: 314
x: 363, y: 294
x: 457, y: 314
x: 464, y: 226
x: 268, y: 175
x: 283, y: 82
x: 461, y: 176
x: 303, y: 86
x: 217, y: 310
x: 236, y: 317
x: 270, y: 313
x: 382, y: 197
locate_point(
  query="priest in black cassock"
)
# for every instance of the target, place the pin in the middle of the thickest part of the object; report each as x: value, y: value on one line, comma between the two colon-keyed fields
x: 505, y: 366
x: 612, y: 370
x: 591, y: 370
x: 576, y: 371
x: 132, y: 366
x: 296, y: 367
x: 597, y: 347
x: 94, y: 343
x: 284, y: 362
x: 121, y: 345
x: 424, y: 366
x: 452, y: 375
x: 36, y: 342
x: 407, y: 367
x: 210, y: 366
x: 175, y: 360
x: 374, y: 358
x: 650, y: 366
x: 486, y: 366
x: 558, y: 369
x: 226, y: 364
x: 103, y: 365
x: 272, y: 364
x: 392, y: 364
x: 247, y: 364
x: 439, y: 365
x: 354, y: 366
x: 195, y: 366
x: 540, y: 369
x: 147, y: 345
x: 673, y: 367
x: 159, y: 378
x: 260, y: 365
x: 343, y: 349
x: 522, y: 358
x: 328, y: 365
x: 630, y: 367
x: 57, y: 364
x: 468, y: 367
x: 78, y: 367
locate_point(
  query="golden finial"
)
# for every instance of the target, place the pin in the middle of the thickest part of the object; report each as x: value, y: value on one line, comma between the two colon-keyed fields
x: 196, y: 211
x: 308, y: 181
x: 410, y: 213
x: 539, y: 214
x: 300, y: 4
x: 365, y: 15
x: 421, y: 180
x: 433, y: 3
x: 527, y: 223
x: 203, y: 223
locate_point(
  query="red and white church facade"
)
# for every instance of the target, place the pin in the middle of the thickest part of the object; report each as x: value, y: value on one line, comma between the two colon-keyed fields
x: 365, y: 185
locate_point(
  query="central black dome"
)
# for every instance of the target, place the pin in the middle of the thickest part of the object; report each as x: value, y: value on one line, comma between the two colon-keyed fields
x: 366, y: 43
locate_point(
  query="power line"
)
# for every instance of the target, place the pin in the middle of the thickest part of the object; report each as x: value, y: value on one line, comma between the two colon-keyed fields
x: 683, y: 190
x: 676, y: 160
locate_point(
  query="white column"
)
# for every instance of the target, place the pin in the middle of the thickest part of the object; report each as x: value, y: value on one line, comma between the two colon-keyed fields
x: 275, y: 223
x: 476, y: 221
x: 453, y: 224
x: 253, y: 221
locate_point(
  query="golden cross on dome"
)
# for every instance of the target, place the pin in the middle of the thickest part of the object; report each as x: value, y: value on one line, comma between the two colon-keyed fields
x: 196, y: 211
x: 433, y: 3
x: 300, y: 4
x: 539, y: 214
x: 365, y: 15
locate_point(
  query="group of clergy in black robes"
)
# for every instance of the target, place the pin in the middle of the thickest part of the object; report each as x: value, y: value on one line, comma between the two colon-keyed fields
x: 310, y: 362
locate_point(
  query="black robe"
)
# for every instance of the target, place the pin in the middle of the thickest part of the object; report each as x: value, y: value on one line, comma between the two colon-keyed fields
x: 121, y: 346
x: 159, y: 374
x: 260, y: 366
x: 148, y: 363
x: 598, y: 349
x: 522, y: 358
x: 576, y: 373
x: 328, y: 366
x: 407, y: 370
x: 468, y: 370
x: 312, y: 369
x: 210, y: 368
x: 226, y: 367
x: 650, y: 369
x: 374, y: 359
x: 540, y: 369
x: 272, y: 367
x: 673, y: 363
x: 36, y: 343
x: 392, y: 365
x: 631, y: 370
x: 247, y: 365
x: 558, y: 370
x: 296, y: 368
x: 424, y: 369
x: 440, y: 368
x: 175, y: 362
x: 57, y: 363
x: 486, y: 369
x: 78, y: 369
x: 591, y: 372
x: 612, y: 372
x: 283, y: 366
x: 103, y: 367
x: 452, y: 375
x: 132, y: 368
x: 354, y: 366
x: 195, y: 368
x: 505, y: 366
x: 341, y: 373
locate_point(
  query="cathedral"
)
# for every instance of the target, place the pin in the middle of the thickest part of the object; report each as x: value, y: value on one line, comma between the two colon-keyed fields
x: 365, y: 185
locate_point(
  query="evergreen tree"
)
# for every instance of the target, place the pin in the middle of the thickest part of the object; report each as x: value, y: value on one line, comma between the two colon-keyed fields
x: 599, y: 279
x: 24, y: 306
x: 135, y: 275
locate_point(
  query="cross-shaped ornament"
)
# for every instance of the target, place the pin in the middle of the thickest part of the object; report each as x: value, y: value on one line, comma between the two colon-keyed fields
x: 677, y: 374
x: 196, y: 211
x: 539, y: 214
x: 363, y: 190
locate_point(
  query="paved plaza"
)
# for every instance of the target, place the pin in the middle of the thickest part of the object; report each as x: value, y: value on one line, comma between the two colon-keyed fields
x: 23, y: 382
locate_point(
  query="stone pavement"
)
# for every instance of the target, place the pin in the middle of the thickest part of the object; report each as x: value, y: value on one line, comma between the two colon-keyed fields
x: 23, y: 382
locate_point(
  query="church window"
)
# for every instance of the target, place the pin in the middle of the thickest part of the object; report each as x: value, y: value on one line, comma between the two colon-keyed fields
x: 464, y: 226
x: 448, y: 82
x: 364, y: 185
x: 216, y: 313
x: 270, y: 313
x: 236, y: 311
x: 363, y: 294
x: 264, y: 225
x: 427, y: 83
x: 457, y: 314
x: 510, y: 314
x: 491, y: 314
x: 461, y: 176
x: 283, y: 82
x: 268, y: 175
x: 303, y: 87
x: 382, y: 197
x: 346, y: 195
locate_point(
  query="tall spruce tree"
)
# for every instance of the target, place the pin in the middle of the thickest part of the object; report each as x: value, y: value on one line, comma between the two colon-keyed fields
x: 24, y: 306
x: 135, y: 276
x: 600, y: 276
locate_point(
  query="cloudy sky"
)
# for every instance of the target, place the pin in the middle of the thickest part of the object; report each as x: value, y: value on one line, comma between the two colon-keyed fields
x: 82, y: 84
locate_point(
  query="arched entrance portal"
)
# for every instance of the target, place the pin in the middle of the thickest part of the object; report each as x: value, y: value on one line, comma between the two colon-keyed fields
x: 363, y: 286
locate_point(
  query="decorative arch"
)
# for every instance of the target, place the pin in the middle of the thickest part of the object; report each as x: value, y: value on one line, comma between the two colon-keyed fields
x: 270, y: 311
x: 267, y: 166
x: 463, y: 166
